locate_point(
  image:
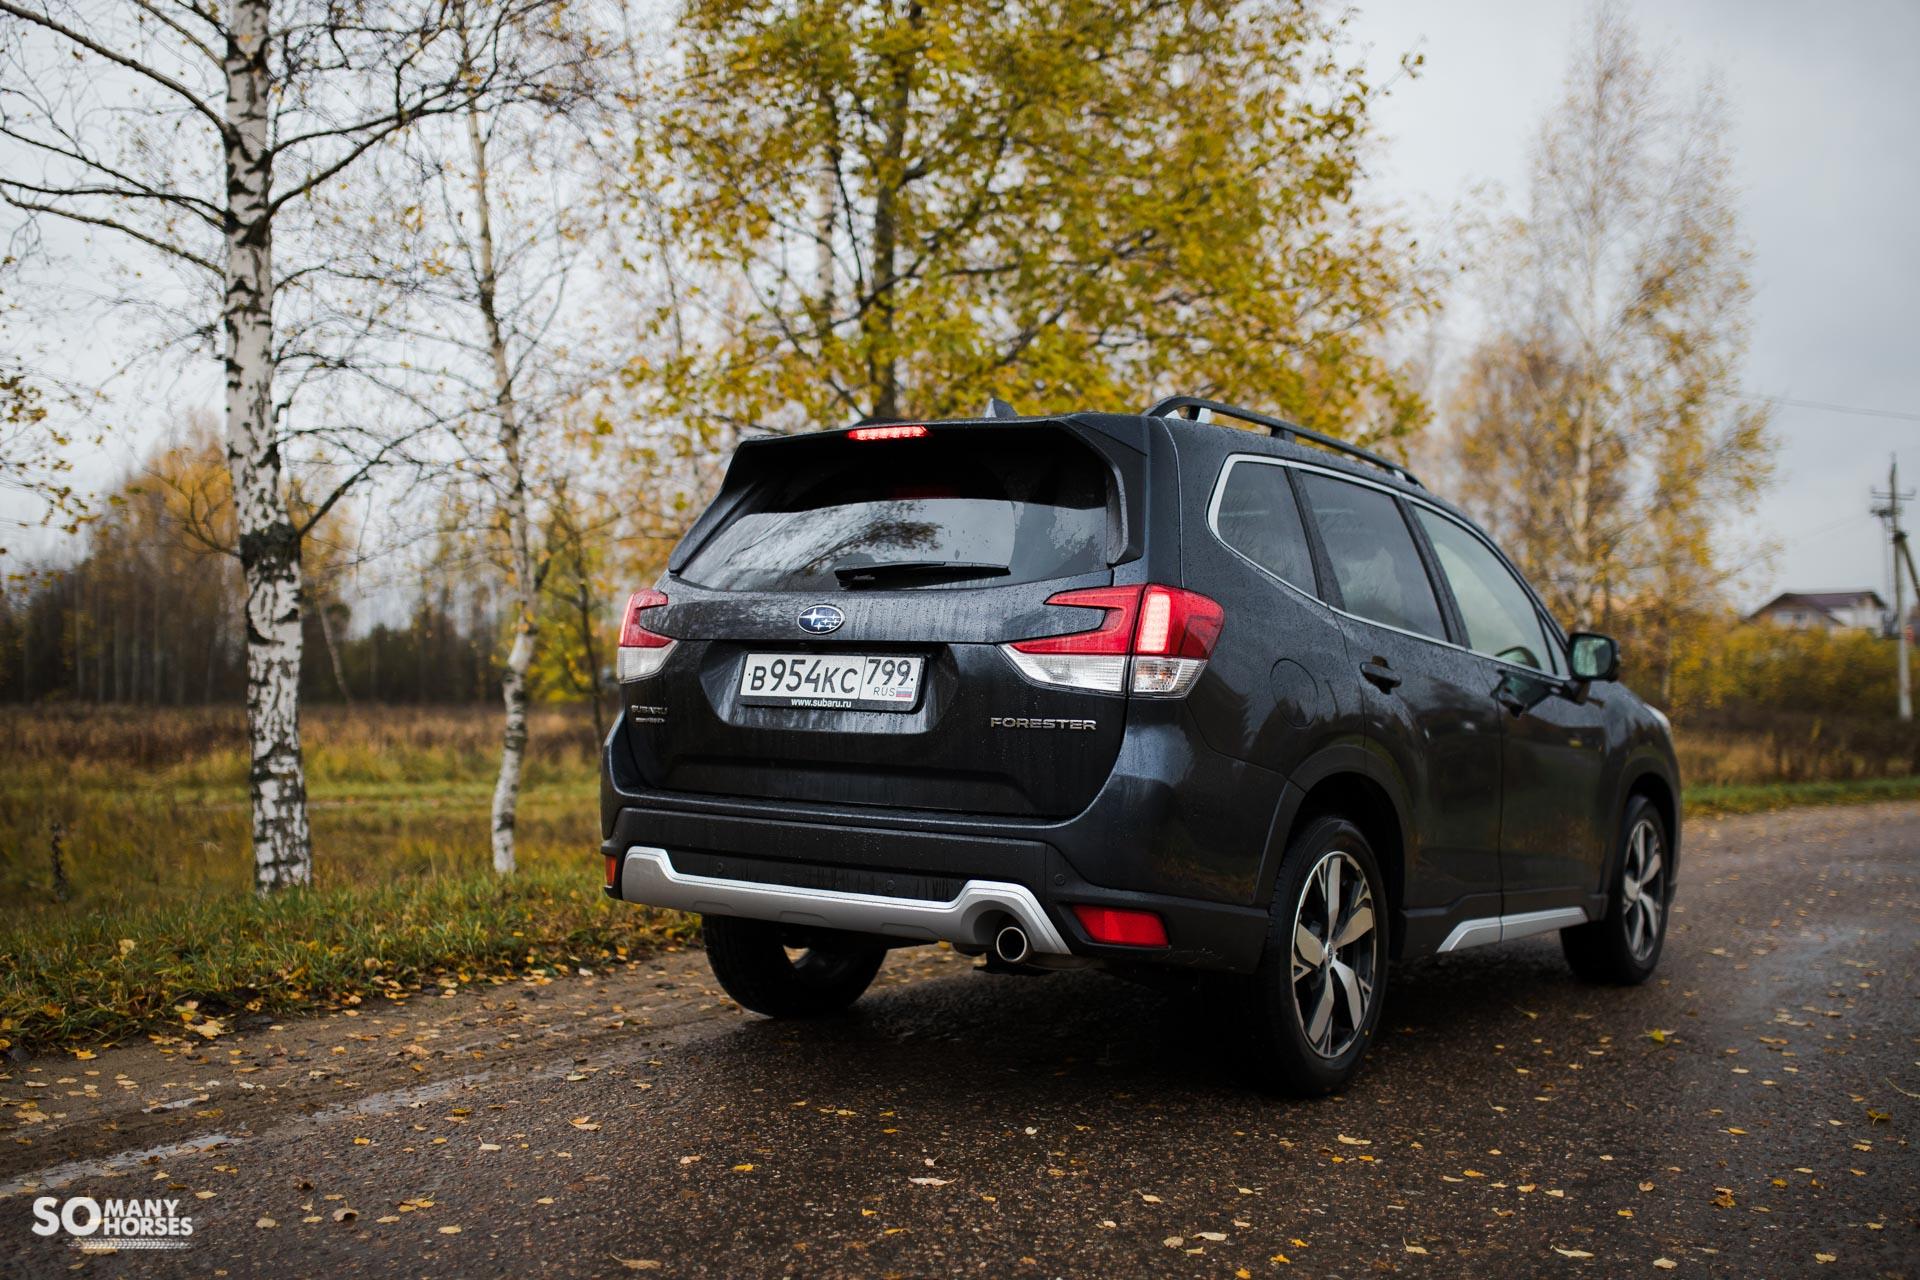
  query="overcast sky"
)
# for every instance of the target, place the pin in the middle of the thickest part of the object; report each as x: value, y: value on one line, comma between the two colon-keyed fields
x: 1826, y: 129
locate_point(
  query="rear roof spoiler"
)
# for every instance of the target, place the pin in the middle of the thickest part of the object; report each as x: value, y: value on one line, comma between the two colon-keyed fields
x: 1279, y: 428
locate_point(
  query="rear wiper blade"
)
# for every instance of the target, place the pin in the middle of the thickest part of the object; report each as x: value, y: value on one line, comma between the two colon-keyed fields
x: 852, y: 575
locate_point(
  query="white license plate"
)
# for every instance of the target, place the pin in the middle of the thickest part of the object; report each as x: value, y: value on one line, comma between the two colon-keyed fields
x: 853, y: 681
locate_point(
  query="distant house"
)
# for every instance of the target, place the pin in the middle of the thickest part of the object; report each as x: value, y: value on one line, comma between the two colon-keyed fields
x: 1825, y: 610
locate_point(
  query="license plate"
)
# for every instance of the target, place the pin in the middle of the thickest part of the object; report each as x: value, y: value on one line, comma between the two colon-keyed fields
x: 851, y: 681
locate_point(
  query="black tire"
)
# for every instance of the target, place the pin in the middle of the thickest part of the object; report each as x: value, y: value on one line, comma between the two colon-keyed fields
x: 1623, y: 947
x: 750, y: 959
x: 1289, y: 1000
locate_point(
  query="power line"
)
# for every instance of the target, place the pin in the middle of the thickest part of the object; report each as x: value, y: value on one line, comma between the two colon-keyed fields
x: 1828, y: 406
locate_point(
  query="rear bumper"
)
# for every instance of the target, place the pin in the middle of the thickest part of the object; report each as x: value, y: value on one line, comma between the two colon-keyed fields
x: 970, y: 918
x: 1144, y: 843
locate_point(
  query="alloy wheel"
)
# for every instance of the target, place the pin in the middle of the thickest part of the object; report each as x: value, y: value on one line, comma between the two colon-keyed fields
x: 1643, y: 890
x: 1336, y: 954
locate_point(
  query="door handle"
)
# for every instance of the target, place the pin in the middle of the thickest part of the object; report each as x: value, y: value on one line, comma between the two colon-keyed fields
x: 1379, y: 674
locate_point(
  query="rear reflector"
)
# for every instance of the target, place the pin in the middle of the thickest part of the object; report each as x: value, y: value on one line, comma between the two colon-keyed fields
x: 888, y: 433
x: 1120, y: 927
x: 642, y: 652
x: 613, y: 870
x: 1153, y: 640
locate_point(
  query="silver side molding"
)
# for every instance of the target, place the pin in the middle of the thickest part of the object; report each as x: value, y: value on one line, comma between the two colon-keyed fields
x: 648, y: 876
x: 1476, y: 933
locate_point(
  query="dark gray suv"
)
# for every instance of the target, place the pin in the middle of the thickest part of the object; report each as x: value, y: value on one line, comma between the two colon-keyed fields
x: 1133, y: 691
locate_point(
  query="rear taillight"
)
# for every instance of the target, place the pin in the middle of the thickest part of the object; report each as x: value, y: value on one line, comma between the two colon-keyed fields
x: 1154, y: 640
x: 642, y: 652
x: 1121, y: 927
x: 1177, y: 631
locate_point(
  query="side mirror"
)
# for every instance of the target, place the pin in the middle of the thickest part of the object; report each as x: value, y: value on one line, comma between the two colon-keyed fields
x: 1593, y: 656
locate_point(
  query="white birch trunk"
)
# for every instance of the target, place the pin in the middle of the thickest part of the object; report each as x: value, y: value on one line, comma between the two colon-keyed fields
x: 519, y: 521
x: 269, y: 543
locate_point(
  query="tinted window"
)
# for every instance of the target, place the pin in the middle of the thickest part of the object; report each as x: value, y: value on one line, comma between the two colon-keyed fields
x: 1375, y: 563
x: 1499, y: 613
x: 1258, y: 518
x: 959, y: 509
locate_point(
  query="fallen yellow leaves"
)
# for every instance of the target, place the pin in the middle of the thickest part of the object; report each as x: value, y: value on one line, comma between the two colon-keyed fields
x: 1355, y: 1142
x: 1571, y: 1253
x: 1658, y: 1035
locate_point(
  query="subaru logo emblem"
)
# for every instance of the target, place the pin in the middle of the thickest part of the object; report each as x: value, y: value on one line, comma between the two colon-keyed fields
x: 821, y: 619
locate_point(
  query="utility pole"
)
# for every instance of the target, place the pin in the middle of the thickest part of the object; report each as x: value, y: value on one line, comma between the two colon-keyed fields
x: 1889, y: 511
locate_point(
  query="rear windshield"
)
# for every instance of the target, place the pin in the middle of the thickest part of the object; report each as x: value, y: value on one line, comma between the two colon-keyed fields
x: 964, y: 507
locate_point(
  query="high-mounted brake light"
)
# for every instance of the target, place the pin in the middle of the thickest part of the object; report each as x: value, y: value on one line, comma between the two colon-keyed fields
x: 1153, y: 640
x: 642, y: 652
x: 1121, y: 926
x: 914, y: 432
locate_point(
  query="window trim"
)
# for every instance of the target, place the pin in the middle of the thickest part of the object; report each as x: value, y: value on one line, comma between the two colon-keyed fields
x: 1555, y: 634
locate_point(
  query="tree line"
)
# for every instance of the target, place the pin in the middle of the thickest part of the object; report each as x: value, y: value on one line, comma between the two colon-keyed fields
x: 490, y: 288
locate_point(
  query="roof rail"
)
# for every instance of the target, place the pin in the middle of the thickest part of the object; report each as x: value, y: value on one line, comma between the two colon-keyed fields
x: 1279, y: 428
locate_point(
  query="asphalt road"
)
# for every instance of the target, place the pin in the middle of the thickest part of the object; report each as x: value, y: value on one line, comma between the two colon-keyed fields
x: 1512, y: 1121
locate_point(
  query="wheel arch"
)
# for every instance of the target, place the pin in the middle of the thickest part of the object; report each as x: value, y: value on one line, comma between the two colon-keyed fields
x: 1645, y: 777
x: 1355, y: 784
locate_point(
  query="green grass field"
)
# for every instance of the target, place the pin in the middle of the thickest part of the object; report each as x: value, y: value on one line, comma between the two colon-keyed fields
x: 158, y: 929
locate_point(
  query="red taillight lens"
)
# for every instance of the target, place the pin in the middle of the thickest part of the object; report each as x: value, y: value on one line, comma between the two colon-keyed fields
x: 1121, y: 927
x: 632, y: 634
x: 642, y: 652
x: 1113, y: 635
x: 1177, y: 624
x: 1153, y: 640
x: 613, y: 870
x: 888, y: 433
x: 1171, y: 623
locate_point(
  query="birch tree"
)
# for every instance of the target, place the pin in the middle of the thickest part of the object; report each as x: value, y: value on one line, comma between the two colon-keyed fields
x: 1599, y: 429
x: 494, y: 297
x: 199, y: 134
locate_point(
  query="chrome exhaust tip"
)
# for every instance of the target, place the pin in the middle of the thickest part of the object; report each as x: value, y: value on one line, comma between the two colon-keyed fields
x: 1010, y: 944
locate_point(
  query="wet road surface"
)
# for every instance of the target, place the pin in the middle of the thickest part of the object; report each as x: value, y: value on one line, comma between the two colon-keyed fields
x: 1511, y: 1121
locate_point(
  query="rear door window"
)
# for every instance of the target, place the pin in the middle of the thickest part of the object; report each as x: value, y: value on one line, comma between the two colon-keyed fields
x: 1375, y: 563
x: 1258, y: 517
x: 961, y: 508
x: 1499, y: 614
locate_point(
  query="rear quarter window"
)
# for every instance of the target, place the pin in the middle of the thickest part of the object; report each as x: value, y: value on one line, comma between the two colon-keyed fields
x: 965, y: 507
x: 1257, y: 516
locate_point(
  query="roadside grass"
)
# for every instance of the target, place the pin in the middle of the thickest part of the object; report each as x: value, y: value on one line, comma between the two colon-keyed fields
x: 194, y: 967
x: 157, y: 930
x: 1767, y: 796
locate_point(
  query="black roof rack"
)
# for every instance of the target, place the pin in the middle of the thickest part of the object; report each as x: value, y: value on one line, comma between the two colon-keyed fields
x: 1280, y: 428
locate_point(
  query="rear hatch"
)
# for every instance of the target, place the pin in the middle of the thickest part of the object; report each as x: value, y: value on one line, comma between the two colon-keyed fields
x: 837, y: 615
